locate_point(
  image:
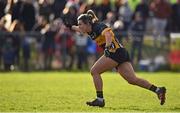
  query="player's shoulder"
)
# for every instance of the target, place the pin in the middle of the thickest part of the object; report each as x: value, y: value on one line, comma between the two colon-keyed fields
x: 98, y: 27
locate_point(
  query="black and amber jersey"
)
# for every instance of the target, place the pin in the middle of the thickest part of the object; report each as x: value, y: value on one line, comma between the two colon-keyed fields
x: 97, y: 34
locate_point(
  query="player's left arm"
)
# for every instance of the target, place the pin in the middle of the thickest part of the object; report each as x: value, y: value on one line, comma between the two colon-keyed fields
x: 108, y: 37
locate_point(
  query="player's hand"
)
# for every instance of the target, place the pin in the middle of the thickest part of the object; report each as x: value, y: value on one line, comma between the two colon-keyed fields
x: 107, y: 53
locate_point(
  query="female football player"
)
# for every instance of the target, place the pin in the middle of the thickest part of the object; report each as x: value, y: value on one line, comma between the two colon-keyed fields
x: 115, y: 56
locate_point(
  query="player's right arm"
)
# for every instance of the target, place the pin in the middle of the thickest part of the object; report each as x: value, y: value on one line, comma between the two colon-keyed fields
x: 76, y: 28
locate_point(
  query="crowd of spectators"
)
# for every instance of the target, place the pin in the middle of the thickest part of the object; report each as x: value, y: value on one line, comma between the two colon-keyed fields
x: 33, y: 34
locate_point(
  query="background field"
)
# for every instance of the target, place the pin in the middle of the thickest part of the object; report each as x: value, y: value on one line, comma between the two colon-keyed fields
x: 68, y: 91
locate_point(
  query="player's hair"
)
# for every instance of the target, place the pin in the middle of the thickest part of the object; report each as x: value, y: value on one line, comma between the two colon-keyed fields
x: 88, y: 17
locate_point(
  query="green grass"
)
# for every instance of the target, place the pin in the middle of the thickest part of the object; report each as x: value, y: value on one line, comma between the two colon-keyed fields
x: 68, y: 91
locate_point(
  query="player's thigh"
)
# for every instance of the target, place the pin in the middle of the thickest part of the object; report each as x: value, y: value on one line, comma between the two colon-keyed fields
x: 126, y: 71
x: 103, y: 64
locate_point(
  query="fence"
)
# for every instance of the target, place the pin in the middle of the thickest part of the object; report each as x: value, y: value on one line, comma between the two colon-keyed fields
x: 33, y: 51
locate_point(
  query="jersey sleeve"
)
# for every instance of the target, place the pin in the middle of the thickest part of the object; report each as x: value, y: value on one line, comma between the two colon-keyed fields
x: 106, y: 29
x: 100, y: 28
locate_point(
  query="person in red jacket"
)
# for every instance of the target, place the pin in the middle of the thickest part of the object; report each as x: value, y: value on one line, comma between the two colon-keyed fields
x: 161, y: 10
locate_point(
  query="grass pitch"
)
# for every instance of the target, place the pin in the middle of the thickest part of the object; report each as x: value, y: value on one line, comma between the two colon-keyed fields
x: 68, y: 92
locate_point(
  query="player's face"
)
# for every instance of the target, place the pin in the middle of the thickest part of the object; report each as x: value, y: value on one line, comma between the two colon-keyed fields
x: 82, y: 26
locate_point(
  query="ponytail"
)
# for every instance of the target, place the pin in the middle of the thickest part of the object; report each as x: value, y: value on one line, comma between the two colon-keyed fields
x: 88, y: 17
x: 92, y: 15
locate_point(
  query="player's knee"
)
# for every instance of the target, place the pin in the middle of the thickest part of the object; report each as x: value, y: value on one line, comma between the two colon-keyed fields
x: 93, y: 71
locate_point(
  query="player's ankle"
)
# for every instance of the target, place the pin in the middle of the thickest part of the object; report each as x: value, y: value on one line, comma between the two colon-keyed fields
x: 100, y: 99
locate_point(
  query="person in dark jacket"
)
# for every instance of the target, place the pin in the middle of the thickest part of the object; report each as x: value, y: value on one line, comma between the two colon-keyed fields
x: 8, y: 54
x: 137, y: 29
x: 176, y: 17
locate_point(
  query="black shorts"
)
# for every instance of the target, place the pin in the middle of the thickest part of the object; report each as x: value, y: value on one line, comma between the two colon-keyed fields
x: 121, y: 55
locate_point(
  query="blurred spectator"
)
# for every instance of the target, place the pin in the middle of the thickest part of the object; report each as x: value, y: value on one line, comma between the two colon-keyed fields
x: 45, y: 10
x: 26, y: 52
x: 9, y: 5
x: 16, y: 26
x: 8, y: 54
x: 67, y: 49
x: 40, y: 24
x: 117, y: 5
x: 137, y: 29
x: 161, y: 10
x: 57, y: 62
x: 70, y: 47
x: 2, y: 7
x: 2, y: 38
x: 7, y: 20
x: 2, y: 24
x: 39, y: 53
x: 143, y: 9
x: 104, y: 8
x: 70, y: 15
x: 92, y: 55
x: 49, y: 45
x: 40, y: 27
x: 99, y: 51
x: 58, y: 54
x: 81, y: 45
x: 125, y: 14
x: 83, y: 7
x: 17, y: 10
x: 58, y: 7
x: 175, y: 17
x: 24, y: 11
x: 110, y: 19
x: 93, y: 5
x: 28, y: 15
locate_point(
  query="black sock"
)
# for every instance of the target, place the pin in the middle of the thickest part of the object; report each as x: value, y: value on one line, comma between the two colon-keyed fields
x: 153, y: 88
x: 99, y: 94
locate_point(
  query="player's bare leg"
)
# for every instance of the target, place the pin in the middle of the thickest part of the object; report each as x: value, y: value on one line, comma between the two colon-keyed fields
x: 103, y: 64
x: 127, y: 72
